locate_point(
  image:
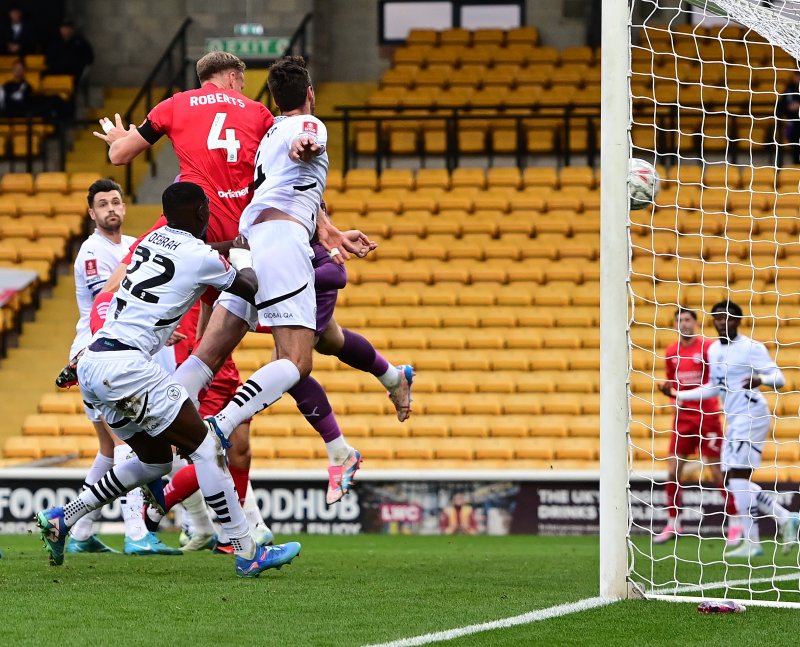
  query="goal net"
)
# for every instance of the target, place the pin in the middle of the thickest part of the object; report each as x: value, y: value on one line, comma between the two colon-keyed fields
x: 715, y: 106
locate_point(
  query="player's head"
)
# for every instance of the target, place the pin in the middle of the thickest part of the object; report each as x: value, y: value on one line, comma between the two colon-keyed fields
x: 290, y: 85
x: 727, y: 318
x: 686, y: 321
x: 222, y: 69
x: 185, y: 207
x: 106, y: 205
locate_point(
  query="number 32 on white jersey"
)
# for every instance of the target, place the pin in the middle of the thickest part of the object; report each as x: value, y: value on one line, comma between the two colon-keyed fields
x: 230, y: 143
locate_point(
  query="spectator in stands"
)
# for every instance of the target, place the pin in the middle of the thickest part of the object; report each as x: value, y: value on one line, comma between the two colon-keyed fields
x: 69, y: 53
x: 17, y: 94
x: 18, y: 35
x: 789, y: 111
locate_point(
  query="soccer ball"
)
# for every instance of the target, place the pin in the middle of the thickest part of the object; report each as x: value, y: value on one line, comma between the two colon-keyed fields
x: 643, y: 183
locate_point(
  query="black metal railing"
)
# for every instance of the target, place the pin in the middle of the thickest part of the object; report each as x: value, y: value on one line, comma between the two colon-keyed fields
x: 569, y: 119
x: 298, y: 44
x: 167, y: 76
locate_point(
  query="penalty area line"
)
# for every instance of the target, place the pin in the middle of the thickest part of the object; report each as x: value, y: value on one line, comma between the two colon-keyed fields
x: 524, y: 619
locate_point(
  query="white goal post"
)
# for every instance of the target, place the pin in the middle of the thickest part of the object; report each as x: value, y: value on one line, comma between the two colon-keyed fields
x: 708, y: 91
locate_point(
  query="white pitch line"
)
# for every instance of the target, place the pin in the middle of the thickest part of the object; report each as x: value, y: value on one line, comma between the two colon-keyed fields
x: 524, y: 619
x: 711, y: 586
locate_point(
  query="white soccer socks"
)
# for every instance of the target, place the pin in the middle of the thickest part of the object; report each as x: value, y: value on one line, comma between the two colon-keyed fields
x: 217, y: 487
x: 264, y: 387
x: 115, y: 483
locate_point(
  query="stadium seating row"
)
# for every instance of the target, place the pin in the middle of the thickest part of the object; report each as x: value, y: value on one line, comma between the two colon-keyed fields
x: 46, y: 183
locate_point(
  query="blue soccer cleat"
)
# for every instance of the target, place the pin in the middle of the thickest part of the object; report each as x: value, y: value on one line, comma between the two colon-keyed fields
x: 153, y: 493
x: 211, y: 423
x: 54, y: 532
x: 400, y: 394
x: 149, y: 545
x: 89, y: 545
x: 267, y: 557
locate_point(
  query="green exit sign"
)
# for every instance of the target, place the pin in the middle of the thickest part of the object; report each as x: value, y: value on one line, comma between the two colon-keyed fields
x: 248, y: 29
x: 249, y: 47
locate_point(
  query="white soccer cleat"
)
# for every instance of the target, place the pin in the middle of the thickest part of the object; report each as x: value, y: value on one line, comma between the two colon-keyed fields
x: 670, y: 532
x: 789, y: 533
x: 199, y: 541
x: 747, y: 550
x: 734, y: 536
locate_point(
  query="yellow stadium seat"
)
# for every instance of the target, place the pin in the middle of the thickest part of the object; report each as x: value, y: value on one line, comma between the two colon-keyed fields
x: 55, y: 182
x: 528, y: 36
x: 422, y: 37
x: 455, y: 36
x: 17, y: 183
x: 22, y: 447
x: 59, y: 446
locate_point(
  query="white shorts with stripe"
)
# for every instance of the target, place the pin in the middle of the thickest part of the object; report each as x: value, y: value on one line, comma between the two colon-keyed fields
x: 282, y: 262
x: 130, y: 390
x: 744, y: 441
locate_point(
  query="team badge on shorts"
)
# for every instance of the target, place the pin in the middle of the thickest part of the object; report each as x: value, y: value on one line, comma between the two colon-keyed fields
x: 173, y: 393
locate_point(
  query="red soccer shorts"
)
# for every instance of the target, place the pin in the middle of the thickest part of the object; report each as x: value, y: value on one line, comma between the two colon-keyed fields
x: 695, y: 433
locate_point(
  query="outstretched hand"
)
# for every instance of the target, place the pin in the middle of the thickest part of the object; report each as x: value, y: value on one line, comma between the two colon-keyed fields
x: 113, y: 131
x: 305, y: 148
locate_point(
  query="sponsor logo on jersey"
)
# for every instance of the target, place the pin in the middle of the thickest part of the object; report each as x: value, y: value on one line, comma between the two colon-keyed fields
x: 234, y: 194
x: 91, y: 267
x: 310, y: 127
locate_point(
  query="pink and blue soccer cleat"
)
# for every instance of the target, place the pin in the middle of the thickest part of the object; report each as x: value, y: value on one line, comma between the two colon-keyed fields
x: 340, y: 477
x: 267, y: 557
x: 54, y: 532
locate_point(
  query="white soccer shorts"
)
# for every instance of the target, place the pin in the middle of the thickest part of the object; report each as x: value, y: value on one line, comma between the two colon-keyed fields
x: 282, y: 262
x: 131, y: 391
x: 744, y: 441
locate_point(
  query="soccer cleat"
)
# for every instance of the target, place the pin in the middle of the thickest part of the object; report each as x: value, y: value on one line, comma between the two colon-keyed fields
x: 734, y: 536
x: 152, y: 517
x: 223, y: 548
x: 200, y: 542
x: 153, y: 493
x: 54, y: 532
x: 149, y: 545
x: 340, y: 477
x: 400, y: 394
x: 789, y: 532
x: 68, y: 377
x: 747, y: 550
x: 267, y: 557
x: 262, y: 535
x: 211, y: 423
x: 669, y: 532
x: 90, y: 545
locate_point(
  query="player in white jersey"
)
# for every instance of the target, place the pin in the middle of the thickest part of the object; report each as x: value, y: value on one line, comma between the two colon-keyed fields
x: 290, y: 178
x: 140, y: 400
x: 97, y: 258
x: 739, y: 366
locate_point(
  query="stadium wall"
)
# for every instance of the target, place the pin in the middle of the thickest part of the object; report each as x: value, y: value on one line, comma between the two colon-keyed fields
x: 430, y: 503
x: 128, y: 37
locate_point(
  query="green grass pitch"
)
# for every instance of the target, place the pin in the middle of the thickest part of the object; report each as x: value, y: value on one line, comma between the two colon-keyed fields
x: 356, y: 591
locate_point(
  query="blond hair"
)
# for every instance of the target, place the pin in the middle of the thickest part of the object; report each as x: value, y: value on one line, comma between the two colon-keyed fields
x: 215, y: 62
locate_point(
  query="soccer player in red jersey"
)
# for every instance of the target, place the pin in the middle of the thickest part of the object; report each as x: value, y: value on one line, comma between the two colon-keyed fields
x: 697, y: 425
x: 215, y: 131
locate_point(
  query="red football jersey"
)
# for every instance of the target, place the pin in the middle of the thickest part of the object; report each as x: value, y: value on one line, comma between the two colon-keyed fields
x: 215, y: 134
x: 687, y: 368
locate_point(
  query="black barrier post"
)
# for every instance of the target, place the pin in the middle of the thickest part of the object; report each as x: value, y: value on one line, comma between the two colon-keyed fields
x: 346, y: 141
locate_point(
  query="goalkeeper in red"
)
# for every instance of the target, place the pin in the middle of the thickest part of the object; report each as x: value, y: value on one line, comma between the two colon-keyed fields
x: 697, y: 429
